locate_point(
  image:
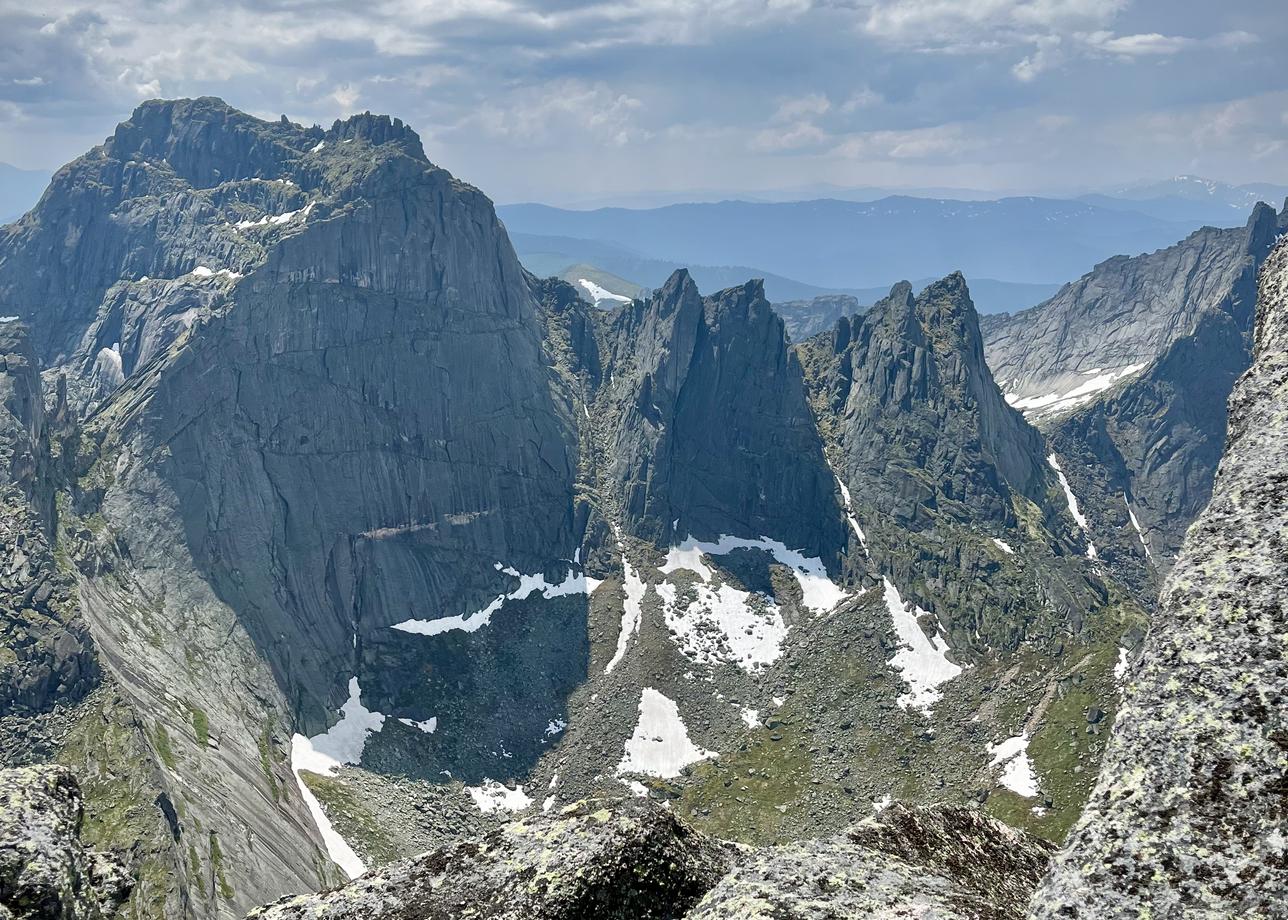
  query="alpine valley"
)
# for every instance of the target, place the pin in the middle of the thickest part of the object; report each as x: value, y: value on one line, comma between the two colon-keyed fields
x: 336, y: 544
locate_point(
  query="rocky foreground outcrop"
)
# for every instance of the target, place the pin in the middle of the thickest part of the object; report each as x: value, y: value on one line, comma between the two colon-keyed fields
x: 1190, y: 814
x: 635, y: 859
x: 45, y: 871
x: 626, y: 860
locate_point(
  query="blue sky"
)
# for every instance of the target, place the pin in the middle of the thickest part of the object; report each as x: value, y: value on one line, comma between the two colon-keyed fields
x: 568, y: 102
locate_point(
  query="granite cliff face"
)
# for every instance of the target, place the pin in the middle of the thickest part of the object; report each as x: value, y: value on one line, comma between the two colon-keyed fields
x: 48, y: 665
x: 340, y: 538
x: 313, y: 375
x: 1128, y: 371
x: 715, y: 434
x: 1122, y: 314
x: 1188, y: 819
x: 926, y: 446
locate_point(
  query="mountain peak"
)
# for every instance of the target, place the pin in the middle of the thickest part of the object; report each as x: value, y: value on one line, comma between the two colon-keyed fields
x: 377, y: 130
x: 206, y: 141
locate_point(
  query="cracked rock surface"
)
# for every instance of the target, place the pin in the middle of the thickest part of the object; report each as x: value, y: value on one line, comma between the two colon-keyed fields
x: 45, y: 871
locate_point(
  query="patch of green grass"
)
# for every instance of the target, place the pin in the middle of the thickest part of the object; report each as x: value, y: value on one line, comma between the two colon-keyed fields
x: 354, y: 821
x: 266, y: 762
x: 217, y: 862
x: 195, y: 870
x: 164, y: 750
x: 1061, y: 745
x: 738, y: 796
x: 200, y: 724
x: 111, y: 760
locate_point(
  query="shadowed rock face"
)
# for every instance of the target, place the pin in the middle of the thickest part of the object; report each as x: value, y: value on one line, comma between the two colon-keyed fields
x: 923, y: 428
x: 1188, y: 818
x: 49, y: 661
x: 715, y: 435
x: 45, y: 871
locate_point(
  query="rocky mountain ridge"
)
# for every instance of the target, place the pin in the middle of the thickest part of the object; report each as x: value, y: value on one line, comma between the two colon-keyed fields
x: 361, y: 523
x: 1128, y: 372
x: 1188, y: 818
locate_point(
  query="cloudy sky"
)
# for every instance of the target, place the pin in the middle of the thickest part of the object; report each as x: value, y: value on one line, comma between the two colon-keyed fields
x: 569, y: 102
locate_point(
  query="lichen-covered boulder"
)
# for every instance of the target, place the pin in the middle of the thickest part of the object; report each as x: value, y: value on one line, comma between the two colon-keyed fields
x: 929, y: 863
x: 980, y: 853
x: 831, y: 880
x: 45, y: 871
x: 626, y: 860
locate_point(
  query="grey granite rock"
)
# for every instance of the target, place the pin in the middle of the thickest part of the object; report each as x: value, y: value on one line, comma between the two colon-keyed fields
x: 611, y: 860
x: 1124, y: 312
x: 714, y: 434
x: 941, y: 863
x: 806, y: 318
x: 1188, y: 817
x: 938, y: 466
x: 1167, y: 333
x: 45, y: 871
x: 46, y: 655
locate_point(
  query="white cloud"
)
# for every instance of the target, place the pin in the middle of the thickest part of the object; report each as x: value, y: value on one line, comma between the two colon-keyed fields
x: 790, y: 137
x: 790, y: 110
x: 862, y: 98
x: 964, y: 22
x: 919, y: 143
x: 346, y: 96
x: 564, y: 112
x: 1147, y: 43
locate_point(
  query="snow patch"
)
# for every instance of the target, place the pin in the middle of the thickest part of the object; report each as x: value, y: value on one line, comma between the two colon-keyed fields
x: 598, y: 293
x: 660, y: 745
x: 1004, y: 546
x: 324, y: 754
x: 632, y: 608
x: 205, y: 271
x: 336, y: 847
x: 1140, y: 534
x: 1017, y: 768
x: 849, y: 515
x: 555, y: 727
x: 1084, y: 392
x: 725, y: 624
x: 751, y: 717
x: 573, y: 583
x: 319, y: 146
x: 820, y: 593
x: 1121, y: 666
x: 275, y: 220
x: 1068, y: 492
x: 921, y: 661
x: 492, y: 796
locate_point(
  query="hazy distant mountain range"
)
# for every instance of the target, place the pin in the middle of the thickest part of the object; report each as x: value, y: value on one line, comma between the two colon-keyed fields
x: 19, y: 190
